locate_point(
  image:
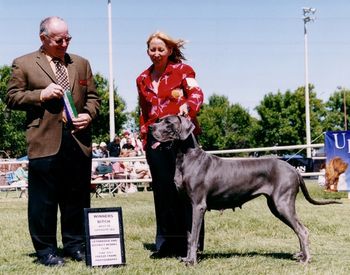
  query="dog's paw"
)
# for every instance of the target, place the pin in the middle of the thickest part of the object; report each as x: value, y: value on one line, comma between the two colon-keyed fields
x: 298, y: 255
x: 304, y: 260
x: 301, y: 258
x: 189, y: 261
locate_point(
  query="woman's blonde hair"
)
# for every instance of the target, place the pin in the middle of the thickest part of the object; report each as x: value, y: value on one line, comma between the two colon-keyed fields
x: 175, y: 44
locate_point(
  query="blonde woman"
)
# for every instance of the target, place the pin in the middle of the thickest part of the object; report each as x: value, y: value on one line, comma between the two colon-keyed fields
x: 167, y: 87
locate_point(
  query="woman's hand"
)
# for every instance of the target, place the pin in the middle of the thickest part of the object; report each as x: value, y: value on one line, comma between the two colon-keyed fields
x: 183, y: 110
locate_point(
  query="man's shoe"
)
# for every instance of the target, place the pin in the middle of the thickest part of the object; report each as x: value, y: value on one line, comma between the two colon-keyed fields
x: 51, y: 260
x: 77, y: 255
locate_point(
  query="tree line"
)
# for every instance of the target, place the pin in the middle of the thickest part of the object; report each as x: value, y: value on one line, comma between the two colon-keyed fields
x: 279, y: 119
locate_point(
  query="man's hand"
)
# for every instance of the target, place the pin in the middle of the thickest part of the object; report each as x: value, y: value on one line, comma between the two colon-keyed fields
x: 52, y: 91
x: 81, y: 122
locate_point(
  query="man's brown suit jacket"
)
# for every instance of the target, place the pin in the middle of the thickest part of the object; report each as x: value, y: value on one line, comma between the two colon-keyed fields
x: 31, y: 74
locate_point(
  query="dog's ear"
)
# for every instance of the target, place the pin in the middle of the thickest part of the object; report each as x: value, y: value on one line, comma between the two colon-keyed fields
x: 187, y: 127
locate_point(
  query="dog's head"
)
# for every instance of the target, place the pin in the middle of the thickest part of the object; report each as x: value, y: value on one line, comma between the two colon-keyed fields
x: 334, y: 169
x: 172, y: 128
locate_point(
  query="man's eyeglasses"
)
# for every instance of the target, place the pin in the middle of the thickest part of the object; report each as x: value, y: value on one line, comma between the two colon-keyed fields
x: 59, y: 41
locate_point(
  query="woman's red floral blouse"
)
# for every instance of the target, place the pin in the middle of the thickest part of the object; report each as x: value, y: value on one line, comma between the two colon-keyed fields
x: 177, y: 86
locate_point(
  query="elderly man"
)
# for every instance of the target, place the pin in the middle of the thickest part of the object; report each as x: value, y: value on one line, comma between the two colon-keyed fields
x: 59, y: 139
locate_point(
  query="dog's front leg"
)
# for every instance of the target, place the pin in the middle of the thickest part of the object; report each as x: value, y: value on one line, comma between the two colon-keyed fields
x: 178, y: 180
x: 198, y: 211
x: 178, y: 177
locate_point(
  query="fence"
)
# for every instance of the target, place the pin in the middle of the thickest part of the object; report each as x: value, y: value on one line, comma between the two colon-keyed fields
x: 113, y: 183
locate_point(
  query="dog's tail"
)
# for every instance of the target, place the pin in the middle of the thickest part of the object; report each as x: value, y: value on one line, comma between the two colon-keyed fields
x: 308, y: 197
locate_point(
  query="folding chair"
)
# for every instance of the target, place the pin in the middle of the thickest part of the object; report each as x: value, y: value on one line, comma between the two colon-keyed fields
x: 10, y: 178
x: 96, y: 189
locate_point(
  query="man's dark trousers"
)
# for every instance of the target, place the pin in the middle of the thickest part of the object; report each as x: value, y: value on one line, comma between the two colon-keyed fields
x: 59, y: 181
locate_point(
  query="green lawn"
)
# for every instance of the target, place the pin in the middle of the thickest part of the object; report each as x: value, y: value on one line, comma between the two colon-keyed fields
x: 248, y: 241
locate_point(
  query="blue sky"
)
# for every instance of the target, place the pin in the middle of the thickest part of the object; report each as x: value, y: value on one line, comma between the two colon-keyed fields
x: 241, y: 49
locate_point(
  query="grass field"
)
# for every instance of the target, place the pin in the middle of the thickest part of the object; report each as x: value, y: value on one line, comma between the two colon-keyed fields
x: 248, y: 241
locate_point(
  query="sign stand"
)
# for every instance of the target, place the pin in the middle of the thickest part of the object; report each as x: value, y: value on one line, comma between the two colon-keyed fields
x: 104, y: 237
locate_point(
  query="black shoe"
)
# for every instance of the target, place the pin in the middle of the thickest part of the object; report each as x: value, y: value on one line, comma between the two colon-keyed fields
x: 164, y: 253
x: 77, y: 255
x: 51, y: 260
x: 161, y: 254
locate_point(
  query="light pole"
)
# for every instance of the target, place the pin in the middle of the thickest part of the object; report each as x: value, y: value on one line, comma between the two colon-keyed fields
x: 345, y: 115
x: 111, y: 86
x: 308, y: 12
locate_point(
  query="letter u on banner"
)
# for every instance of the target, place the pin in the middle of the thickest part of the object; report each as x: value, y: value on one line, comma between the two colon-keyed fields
x: 337, y: 148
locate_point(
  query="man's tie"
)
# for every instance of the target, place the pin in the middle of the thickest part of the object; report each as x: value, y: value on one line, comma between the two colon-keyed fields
x: 61, y: 75
x: 62, y: 80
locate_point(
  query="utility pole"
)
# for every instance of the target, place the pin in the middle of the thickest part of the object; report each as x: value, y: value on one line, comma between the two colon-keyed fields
x: 308, y: 12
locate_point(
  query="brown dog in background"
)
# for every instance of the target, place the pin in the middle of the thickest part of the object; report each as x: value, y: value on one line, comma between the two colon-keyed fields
x: 334, y: 169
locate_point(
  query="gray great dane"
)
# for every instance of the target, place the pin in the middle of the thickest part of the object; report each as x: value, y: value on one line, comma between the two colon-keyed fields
x: 215, y: 183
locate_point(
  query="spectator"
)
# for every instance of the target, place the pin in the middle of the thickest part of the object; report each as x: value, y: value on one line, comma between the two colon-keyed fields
x: 137, y: 143
x: 128, y: 145
x: 129, y: 187
x: 114, y: 147
x: 128, y: 150
x: 321, y: 178
x: 21, y: 174
x: 126, y: 134
x: 140, y: 170
x: 96, y: 152
x: 104, y: 151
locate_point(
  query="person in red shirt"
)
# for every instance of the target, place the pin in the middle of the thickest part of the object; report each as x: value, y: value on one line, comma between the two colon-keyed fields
x: 167, y: 87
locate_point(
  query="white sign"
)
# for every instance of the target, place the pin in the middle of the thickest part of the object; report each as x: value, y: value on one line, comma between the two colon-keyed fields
x: 104, y: 237
x: 103, y: 223
x: 105, y: 251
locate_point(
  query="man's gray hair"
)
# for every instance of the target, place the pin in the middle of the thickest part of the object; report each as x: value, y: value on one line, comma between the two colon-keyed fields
x: 45, y: 22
